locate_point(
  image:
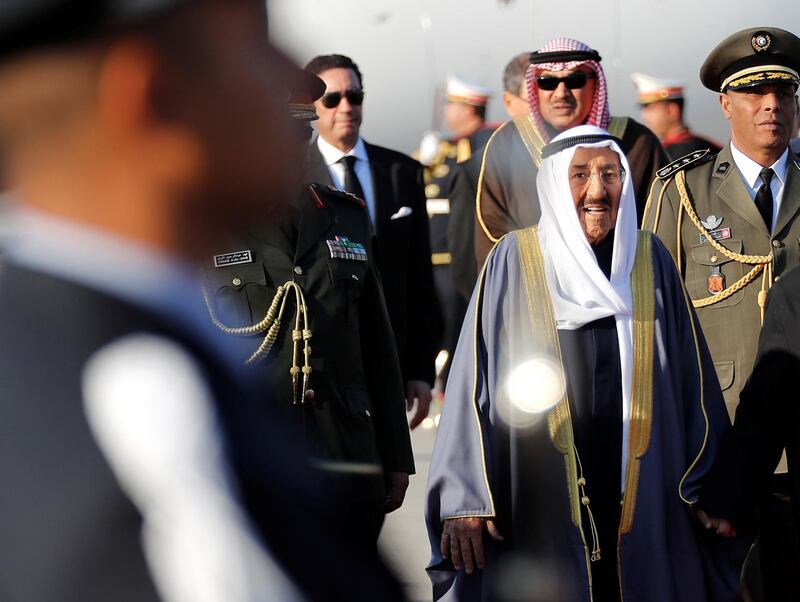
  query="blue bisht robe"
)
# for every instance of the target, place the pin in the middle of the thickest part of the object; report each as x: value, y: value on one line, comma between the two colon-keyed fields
x: 527, y: 477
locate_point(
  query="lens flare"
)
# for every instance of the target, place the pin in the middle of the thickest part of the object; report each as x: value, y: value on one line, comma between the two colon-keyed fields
x: 534, y: 387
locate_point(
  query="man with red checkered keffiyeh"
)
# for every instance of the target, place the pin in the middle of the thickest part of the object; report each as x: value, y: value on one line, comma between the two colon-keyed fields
x: 566, y: 88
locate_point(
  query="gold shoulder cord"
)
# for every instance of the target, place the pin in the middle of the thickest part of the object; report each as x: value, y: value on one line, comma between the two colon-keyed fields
x: 271, y: 325
x: 760, y: 263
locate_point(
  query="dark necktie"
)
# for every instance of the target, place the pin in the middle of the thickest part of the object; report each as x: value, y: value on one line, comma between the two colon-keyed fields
x: 764, y: 197
x: 351, y: 183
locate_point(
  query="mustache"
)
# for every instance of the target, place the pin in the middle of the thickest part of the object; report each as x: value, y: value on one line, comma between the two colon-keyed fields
x: 602, y: 202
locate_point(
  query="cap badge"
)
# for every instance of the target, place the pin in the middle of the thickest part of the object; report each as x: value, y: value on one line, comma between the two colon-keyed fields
x: 761, y: 41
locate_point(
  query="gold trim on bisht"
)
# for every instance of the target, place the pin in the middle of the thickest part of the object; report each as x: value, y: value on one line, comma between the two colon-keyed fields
x: 643, y: 289
x: 559, y: 420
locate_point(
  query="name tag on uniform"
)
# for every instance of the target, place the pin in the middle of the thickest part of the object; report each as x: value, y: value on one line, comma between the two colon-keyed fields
x: 343, y: 248
x: 235, y: 258
x: 721, y: 234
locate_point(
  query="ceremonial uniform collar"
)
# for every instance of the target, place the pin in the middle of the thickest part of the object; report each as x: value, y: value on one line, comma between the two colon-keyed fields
x: 333, y: 155
x: 751, y: 170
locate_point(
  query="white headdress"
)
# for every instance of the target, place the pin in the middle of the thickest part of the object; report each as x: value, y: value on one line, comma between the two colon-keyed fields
x: 579, y: 290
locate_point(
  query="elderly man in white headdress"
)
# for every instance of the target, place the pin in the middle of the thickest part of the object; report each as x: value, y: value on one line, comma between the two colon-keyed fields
x: 583, y: 411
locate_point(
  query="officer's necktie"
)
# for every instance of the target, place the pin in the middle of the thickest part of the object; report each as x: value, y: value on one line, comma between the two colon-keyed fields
x: 351, y: 183
x: 764, y: 197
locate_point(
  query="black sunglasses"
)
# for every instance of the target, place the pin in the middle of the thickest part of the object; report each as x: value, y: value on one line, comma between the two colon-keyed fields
x: 573, y: 81
x: 332, y: 99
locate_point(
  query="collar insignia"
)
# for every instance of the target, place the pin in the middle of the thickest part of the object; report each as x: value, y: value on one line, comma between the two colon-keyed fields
x: 723, y: 168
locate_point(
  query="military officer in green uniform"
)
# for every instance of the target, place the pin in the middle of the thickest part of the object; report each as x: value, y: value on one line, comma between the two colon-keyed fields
x: 732, y: 223
x: 305, y: 298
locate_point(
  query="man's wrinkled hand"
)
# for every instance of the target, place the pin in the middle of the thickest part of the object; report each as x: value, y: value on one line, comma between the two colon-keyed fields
x: 418, y: 393
x: 720, y: 526
x: 398, y: 483
x: 462, y: 541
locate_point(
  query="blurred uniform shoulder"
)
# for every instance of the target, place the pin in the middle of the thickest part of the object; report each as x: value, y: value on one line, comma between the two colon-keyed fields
x: 328, y: 196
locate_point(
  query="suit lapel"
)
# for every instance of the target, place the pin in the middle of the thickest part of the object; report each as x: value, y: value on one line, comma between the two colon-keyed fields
x: 790, y: 202
x: 385, y: 201
x: 318, y: 172
x: 733, y: 192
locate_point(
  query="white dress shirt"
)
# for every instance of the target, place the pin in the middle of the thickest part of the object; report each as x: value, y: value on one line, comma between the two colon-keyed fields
x: 333, y: 155
x: 751, y: 171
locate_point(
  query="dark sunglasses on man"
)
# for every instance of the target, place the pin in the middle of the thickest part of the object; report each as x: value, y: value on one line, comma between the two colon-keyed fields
x: 573, y: 81
x: 354, y: 96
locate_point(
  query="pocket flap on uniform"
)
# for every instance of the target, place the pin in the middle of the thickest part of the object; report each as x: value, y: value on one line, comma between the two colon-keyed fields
x: 236, y: 276
x: 725, y: 374
x: 358, y: 402
x: 348, y: 269
x: 705, y: 254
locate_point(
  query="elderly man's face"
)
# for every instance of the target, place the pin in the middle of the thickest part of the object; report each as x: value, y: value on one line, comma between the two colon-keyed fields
x: 595, y: 179
x: 563, y: 107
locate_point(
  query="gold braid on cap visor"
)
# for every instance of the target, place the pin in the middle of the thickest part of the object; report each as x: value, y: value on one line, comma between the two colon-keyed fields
x: 760, y: 74
x: 303, y: 112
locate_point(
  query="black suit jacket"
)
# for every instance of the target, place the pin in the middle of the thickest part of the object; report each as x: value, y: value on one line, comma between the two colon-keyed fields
x: 404, y: 256
x: 69, y: 532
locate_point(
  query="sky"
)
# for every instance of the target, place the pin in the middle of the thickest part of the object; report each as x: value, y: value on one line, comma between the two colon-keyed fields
x: 406, y: 48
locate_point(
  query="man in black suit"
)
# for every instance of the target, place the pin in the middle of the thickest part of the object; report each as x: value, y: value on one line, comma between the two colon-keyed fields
x: 392, y: 186
x: 135, y: 468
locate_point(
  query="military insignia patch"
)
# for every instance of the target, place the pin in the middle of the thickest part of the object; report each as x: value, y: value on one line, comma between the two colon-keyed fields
x: 342, y: 248
x: 694, y: 158
x: 712, y: 222
x: 721, y: 234
x: 723, y: 168
x: 716, y: 281
x: 235, y: 258
x: 761, y: 41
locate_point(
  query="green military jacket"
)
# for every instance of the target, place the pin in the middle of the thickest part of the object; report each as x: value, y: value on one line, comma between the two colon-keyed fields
x: 352, y: 407
x: 730, y: 315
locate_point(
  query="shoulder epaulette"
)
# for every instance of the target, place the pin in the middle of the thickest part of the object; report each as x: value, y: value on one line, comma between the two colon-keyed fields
x: 689, y: 161
x: 346, y: 196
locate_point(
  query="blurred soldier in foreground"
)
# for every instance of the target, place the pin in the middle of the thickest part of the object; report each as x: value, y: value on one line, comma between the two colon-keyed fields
x: 566, y: 88
x: 732, y: 224
x: 306, y: 294
x: 663, y: 107
x: 136, y: 135
x: 582, y: 318
x: 391, y: 185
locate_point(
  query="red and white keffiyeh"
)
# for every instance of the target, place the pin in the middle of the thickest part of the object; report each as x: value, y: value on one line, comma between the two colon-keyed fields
x: 598, y: 116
